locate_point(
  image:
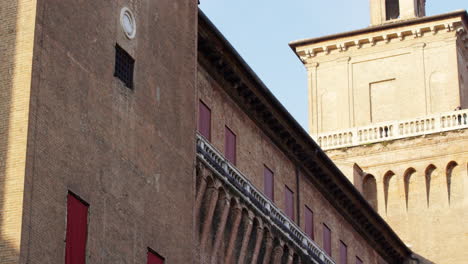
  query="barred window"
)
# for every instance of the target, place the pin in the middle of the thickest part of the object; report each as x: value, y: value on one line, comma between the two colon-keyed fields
x: 124, y: 64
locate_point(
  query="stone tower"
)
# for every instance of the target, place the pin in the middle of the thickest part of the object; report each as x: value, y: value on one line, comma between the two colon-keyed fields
x: 389, y: 105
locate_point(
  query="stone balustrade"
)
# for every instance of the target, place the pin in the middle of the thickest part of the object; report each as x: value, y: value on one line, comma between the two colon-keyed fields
x: 394, y: 130
x: 230, y: 175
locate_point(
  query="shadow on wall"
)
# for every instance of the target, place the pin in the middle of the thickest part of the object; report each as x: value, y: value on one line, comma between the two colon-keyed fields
x: 8, y: 33
x: 422, y: 260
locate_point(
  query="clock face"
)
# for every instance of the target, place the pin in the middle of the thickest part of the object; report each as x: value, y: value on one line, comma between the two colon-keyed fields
x: 127, y: 20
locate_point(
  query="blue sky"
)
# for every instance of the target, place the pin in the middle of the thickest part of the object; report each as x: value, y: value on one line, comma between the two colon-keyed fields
x: 260, y: 30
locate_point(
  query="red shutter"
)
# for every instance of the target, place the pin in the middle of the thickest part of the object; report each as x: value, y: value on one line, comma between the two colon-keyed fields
x: 204, y: 120
x: 309, y: 222
x: 327, y: 240
x: 343, y: 253
x: 230, y: 146
x: 77, y: 228
x: 154, y: 258
x: 358, y: 260
x: 289, y: 198
x: 268, y: 183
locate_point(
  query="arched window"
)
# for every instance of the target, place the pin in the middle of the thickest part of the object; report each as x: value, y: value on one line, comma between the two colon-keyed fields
x: 407, y: 178
x: 369, y: 190
x: 387, y: 177
x: 428, y: 177
x: 448, y: 172
x: 392, y: 9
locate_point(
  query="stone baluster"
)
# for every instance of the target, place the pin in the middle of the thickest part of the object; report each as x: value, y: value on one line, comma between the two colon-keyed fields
x: 221, y: 227
x: 233, y: 236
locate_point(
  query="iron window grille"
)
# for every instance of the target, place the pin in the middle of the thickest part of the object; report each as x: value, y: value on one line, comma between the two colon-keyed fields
x: 124, y: 64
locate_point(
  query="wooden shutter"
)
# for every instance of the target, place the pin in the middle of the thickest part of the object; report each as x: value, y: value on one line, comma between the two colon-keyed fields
x: 289, y: 198
x: 77, y: 229
x: 230, y: 145
x: 309, y: 222
x: 204, y: 120
x: 268, y: 183
x: 343, y: 253
x: 327, y: 240
x: 154, y: 258
x: 359, y: 261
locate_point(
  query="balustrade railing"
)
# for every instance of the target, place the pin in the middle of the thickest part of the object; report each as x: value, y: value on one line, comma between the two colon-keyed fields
x: 394, y: 130
x: 239, y: 181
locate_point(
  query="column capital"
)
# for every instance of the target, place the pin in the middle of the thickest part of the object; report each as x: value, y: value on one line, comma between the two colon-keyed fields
x: 203, y: 171
x: 312, y: 65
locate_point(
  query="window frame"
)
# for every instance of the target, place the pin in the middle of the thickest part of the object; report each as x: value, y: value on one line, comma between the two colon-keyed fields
x: 201, y: 105
x: 125, y: 73
x: 289, y: 207
x: 265, y: 191
x: 327, y: 246
x: 70, y: 245
x: 228, y: 131
x: 312, y: 231
x: 156, y: 254
x: 343, y: 248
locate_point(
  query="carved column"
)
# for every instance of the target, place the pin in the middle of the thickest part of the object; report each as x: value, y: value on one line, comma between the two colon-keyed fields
x: 268, y: 249
x: 419, y: 77
x: 233, y: 236
x: 290, y: 256
x: 258, y: 243
x: 246, y: 238
x: 201, y: 191
x: 278, y: 253
x: 209, y: 217
x: 220, y: 231
x: 313, y: 98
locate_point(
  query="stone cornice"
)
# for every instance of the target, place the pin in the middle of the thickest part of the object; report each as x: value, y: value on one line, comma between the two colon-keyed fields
x: 360, y: 41
x: 461, y: 14
x: 226, y: 66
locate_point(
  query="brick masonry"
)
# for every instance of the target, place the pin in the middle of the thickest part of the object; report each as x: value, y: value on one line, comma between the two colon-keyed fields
x: 87, y: 133
x: 16, y: 51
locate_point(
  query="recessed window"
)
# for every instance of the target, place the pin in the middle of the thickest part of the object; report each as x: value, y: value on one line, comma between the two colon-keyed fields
x: 268, y: 183
x: 204, y: 120
x: 327, y: 240
x: 124, y: 64
x: 392, y: 8
x: 309, y: 222
x: 230, y: 145
x: 289, y: 197
x: 77, y: 229
x: 358, y: 260
x: 154, y: 258
x: 343, y: 253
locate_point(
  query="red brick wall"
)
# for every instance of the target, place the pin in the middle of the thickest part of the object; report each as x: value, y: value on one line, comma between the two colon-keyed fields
x: 129, y: 154
x: 255, y: 149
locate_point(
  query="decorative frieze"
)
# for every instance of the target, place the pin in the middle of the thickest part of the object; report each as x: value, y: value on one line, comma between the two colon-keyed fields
x: 380, y: 37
